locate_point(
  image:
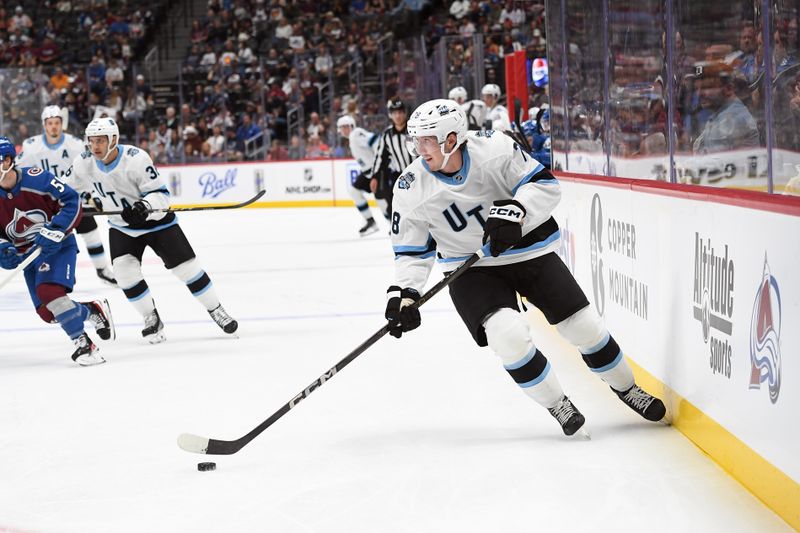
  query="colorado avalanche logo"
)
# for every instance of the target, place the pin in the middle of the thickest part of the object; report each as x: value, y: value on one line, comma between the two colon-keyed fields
x: 25, y: 225
x: 765, y: 331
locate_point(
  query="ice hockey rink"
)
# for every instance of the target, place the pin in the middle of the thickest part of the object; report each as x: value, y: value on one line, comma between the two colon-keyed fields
x: 422, y: 434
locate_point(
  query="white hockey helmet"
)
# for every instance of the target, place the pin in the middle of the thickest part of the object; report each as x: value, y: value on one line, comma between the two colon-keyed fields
x: 459, y: 94
x: 439, y: 118
x: 491, y: 89
x: 53, y: 111
x: 104, y: 127
x: 345, y: 121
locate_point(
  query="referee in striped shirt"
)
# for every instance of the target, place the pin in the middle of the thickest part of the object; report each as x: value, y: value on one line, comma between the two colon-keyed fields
x: 391, y: 154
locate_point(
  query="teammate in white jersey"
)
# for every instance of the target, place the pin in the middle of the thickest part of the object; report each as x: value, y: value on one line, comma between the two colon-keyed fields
x: 470, y: 188
x: 55, y: 150
x: 126, y: 177
x: 496, y: 117
x: 475, y: 110
x: 362, y: 146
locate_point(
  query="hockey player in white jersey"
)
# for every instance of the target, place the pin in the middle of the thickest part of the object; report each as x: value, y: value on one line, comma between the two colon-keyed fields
x: 125, y: 177
x: 468, y: 189
x: 55, y: 150
x: 362, y: 146
x: 496, y: 117
x: 475, y: 110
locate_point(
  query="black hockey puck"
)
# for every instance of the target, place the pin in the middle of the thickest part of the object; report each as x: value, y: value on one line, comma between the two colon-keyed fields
x: 206, y: 467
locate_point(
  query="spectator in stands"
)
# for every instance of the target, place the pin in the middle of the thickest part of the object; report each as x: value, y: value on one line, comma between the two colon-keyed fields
x: 730, y: 125
x: 277, y: 151
x: 114, y: 74
x: 232, y: 146
x: 59, y: 79
x: 746, y: 62
x: 216, y: 144
x: 21, y: 21
x: 246, y: 131
x: 296, y: 148
x: 49, y: 52
x: 194, y: 145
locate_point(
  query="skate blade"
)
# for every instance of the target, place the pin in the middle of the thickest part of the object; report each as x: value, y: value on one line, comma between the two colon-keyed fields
x: 90, y: 360
x: 368, y: 232
x: 158, y: 338
x: 581, y: 434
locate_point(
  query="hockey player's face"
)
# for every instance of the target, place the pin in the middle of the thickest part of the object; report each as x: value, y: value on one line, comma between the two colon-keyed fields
x: 98, y: 146
x: 52, y: 127
x: 430, y: 150
x: 345, y: 131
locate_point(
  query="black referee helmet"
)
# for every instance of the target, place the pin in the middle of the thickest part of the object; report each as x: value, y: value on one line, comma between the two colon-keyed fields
x: 396, y: 104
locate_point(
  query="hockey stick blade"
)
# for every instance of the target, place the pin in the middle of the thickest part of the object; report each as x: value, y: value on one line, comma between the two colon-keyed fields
x: 184, y: 209
x: 202, y: 445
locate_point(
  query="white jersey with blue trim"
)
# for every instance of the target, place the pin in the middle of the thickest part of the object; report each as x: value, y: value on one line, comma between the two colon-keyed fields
x: 498, y: 115
x: 362, y: 146
x: 441, y: 217
x: 56, y: 158
x: 130, y: 177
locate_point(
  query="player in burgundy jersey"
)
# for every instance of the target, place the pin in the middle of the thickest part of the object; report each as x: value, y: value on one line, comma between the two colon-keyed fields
x: 37, y: 210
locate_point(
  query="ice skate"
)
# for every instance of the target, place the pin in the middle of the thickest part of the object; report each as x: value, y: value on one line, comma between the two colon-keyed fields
x: 106, y: 276
x: 101, y: 319
x: 153, y: 331
x: 224, y: 320
x: 369, y: 228
x: 648, y: 406
x: 86, y: 352
x: 568, y: 416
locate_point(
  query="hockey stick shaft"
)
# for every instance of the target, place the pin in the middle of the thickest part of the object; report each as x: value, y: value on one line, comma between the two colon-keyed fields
x: 183, y: 209
x: 196, y: 444
x: 518, y: 111
x: 22, y: 266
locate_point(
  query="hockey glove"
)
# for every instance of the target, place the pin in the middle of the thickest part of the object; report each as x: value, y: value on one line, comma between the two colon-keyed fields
x: 91, y: 203
x: 49, y: 240
x: 136, y: 214
x: 401, y: 316
x: 9, y: 259
x: 503, y: 228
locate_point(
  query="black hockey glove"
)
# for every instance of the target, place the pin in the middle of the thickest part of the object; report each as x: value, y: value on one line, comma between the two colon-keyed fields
x: 136, y: 214
x: 91, y: 203
x: 401, y: 316
x: 503, y: 228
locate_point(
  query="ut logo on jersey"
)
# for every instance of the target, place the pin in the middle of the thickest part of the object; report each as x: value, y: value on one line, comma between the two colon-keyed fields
x: 25, y: 225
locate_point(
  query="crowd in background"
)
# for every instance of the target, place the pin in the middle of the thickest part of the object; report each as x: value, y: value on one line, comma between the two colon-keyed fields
x: 249, y: 64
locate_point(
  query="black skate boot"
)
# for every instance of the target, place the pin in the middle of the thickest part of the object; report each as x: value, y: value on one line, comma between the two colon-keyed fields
x: 86, y: 352
x: 153, y: 331
x: 649, y: 407
x: 106, y: 276
x: 224, y: 320
x: 568, y: 416
x: 370, y: 227
x: 101, y: 319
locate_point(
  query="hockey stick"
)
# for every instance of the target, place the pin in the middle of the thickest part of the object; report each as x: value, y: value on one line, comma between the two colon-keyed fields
x: 196, y: 444
x: 183, y: 209
x: 518, y: 124
x: 20, y: 267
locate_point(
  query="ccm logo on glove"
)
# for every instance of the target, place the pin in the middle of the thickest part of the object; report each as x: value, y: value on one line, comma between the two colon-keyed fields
x: 507, y: 212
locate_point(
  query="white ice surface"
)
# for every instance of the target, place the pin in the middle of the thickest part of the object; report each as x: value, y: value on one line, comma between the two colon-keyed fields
x: 423, y: 434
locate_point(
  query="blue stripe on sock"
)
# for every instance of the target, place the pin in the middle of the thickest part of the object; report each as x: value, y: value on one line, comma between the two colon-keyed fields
x: 522, y: 362
x: 597, y: 347
x: 145, y: 293
x: 201, y: 291
x: 610, y: 365
x: 539, y: 379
